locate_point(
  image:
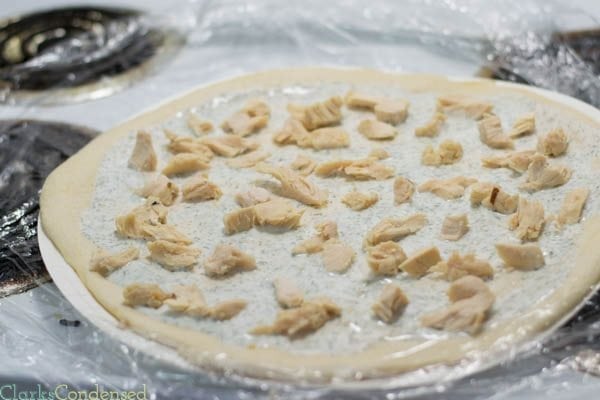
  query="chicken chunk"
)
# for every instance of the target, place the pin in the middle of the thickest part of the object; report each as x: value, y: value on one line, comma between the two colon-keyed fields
x: 542, y: 175
x: 288, y: 295
x: 364, y: 169
x: 379, y: 153
x: 325, y: 231
x: 458, y: 266
x: 300, y: 321
x: 293, y: 132
x: 173, y: 256
x: 226, y: 259
x: 517, y: 161
x: 229, y: 146
x: 472, y: 108
x: 572, y: 206
x: 199, y: 188
x: 319, y: 114
x: 524, y: 125
x: 248, y: 160
x: 491, y: 133
x: 432, y: 127
x: 521, y: 256
x: 241, y: 123
x: 257, y: 108
x: 394, y: 229
x: 358, y: 201
x: 376, y: 130
x: 295, y: 186
x: 185, y: 163
x: 492, y: 196
x: 403, y: 190
x: 449, y: 152
x: 337, y: 256
x: 471, y: 300
x: 275, y: 212
x: 252, y: 197
x: 385, y: 258
x: 199, y: 126
x: 104, y: 263
x: 303, y: 165
x: 455, y: 227
x: 144, y: 294
x: 361, y: 100
x: 554, y: 143
x: 528, y: 221
x: 391, y: 302
x: 451, y: 188
x: 143, y: 157
x: 391, y: 111
x: 227, y: 309
x: 185, y: 144
x: 189, y: 300
x: 419, y: 263
x: 162, y: 188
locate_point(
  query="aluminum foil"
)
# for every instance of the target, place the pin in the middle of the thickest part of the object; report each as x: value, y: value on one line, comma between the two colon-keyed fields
x: 516, y: 40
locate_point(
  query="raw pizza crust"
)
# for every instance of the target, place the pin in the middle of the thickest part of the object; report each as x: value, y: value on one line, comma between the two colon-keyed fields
x: 68, y: 191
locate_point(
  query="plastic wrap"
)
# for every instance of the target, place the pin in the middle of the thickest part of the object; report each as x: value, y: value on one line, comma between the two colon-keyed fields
x: 44, y: 340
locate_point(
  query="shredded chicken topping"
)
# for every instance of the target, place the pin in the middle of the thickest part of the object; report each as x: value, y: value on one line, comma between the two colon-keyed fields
x: 173, y: 256
x: 199, y: 126
x: 454, y: 227
x: 303, y: 165
x: 248, y: 160
x: 521, y: 256
x: 470, y: 107
x: 185, y: 163
x: 524, y: 125
x: 528, y: 221
x: 288, y: 295
x: 432, y: 127
x: 358, y: 201
x: 162, y: 188
x: 227, y: 259
x: 199, y: 188
x: 391, y: 111
x: 293, y: 132
x: 390, y: 304
x: 104, y: 263
x: 491, y: 133
x: 451, y: 188
x: 186, y: 144
x: 493, y: 197
x: 376, y: 130
x: 572, y: 206
x: 318, y: 114
x: 518, y: 161
x: 251, y: 119
x: 295, y: 186
x: 458, y: 266
x: 449, y: 152
x: 419, y: 263
x: 143, y: 157
x: 364, y: 169
x: 276, y: 212
x: 144, y: 294
x: 229, y: 145
x: 554, y: 143
x: 385, y: 258
x: 542, y: 175
x: 394, y: 229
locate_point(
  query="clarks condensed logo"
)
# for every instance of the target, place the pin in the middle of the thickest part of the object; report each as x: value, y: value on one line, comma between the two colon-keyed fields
x: 65, y: 392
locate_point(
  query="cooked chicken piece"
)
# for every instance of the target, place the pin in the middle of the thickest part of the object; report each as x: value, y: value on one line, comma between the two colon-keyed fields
x: 300, y: 321
x: 303, y: 165
x: 458, y: 266
x: 403, y: 190
x: 164, y: 232
x: 572, y: 206
x: 541, y: 175
x: 432, y: 127
x: 393, y: 229
x: 186, y: 144
x: 451, y: 188
x: 524, y: 125
x: 199, y: 126
x: 143, y: 157
x: 455, y: 227
x: 242, y: 124
x: 470, y: 107
x: 361, y: 100
x: 257, y: 108
x: 104, y: 263
x: 185, y: 163
x: 471, y: 301
x: 274, y: 212
x: 229, y: 146
x: 391, y: 302
x: 227, y: 309
x: 391, y: 111
x: 493, y: 197
x: 528, y: 221
x: 248, y: 160
x: 173, y: 256
x: 288, y: 295
x: 226, y: 259
x: 419, y: 263
x: 363, y: 169
x: 554, y: 143
x: 491, y: 133
x: 325, y: 231
x: 252, y: 197
x: 293, y: 132
x: 318, y: 114
x: 379, y: 153
x: 518, y: 161
x: 199, y: 188
x: 295, y: 186
x: 188, y: 299
x: 448, y: 153
x: 385, y: 258
x: 376, y: 130
x: 144, y: 294
x: 337, y: 256
x: 521, y: 256
x: 162, y: 188
x: 358, y: 201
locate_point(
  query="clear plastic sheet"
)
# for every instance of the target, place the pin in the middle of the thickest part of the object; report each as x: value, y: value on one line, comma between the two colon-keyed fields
x: 515, y: 40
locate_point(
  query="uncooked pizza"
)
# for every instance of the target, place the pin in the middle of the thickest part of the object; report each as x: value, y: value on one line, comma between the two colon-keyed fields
x: 320, y: 224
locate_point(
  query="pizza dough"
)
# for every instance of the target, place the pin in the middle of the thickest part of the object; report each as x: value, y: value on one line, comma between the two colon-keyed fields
x: 76, y: 193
